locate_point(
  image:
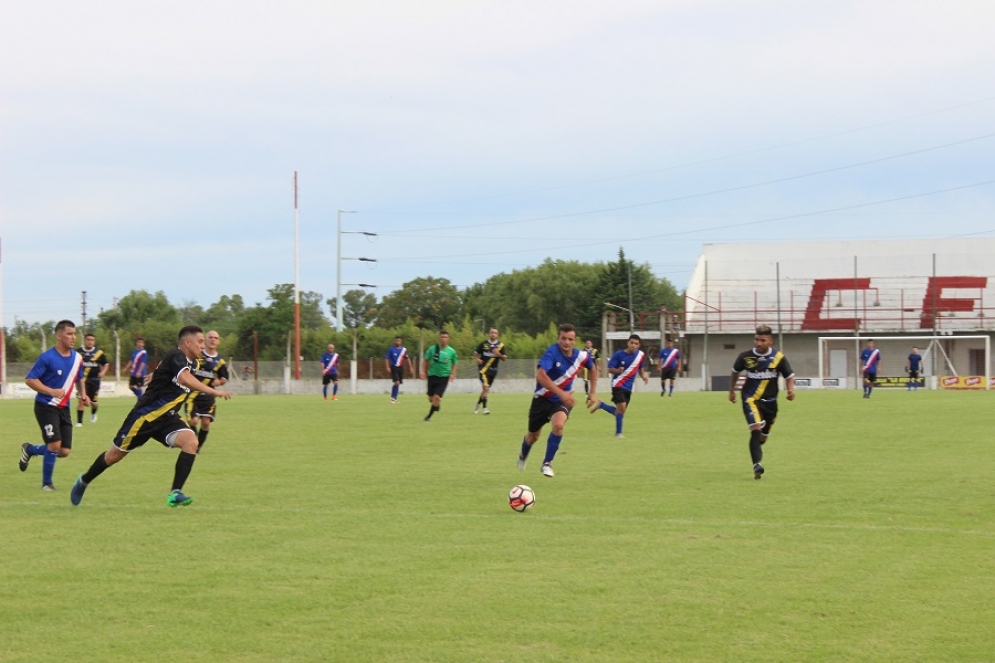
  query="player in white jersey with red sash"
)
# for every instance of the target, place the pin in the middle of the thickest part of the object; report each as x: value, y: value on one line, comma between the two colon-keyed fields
x: 552, y: 399
x: 56, y: 372
x: 624, y: 366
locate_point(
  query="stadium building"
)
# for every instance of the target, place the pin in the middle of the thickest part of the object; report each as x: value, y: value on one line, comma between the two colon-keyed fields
x: 824, y: 300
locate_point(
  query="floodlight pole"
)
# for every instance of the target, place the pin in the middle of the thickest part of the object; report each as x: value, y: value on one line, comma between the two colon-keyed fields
x: 297, y: 286
x: 338, y: 270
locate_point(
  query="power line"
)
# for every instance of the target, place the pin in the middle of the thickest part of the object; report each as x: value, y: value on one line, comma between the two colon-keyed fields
x: 700, y: 194
x: 691, y: 164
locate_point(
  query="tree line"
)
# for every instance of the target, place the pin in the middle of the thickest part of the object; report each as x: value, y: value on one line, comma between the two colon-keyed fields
x: 526, y: 305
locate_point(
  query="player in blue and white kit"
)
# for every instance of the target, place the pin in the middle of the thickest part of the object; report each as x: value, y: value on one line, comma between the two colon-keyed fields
x: 670, y: 362
x: 330, y: 372
x: 552, y: 399
x: 623, y: 366
x: 914, y: 368
x: 394, y: 360
x: 137, y: 367
x: 870, y: 357
x: 54, y: 375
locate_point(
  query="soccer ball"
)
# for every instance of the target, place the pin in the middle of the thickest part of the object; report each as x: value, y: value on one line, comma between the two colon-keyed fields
x: 521, y: 498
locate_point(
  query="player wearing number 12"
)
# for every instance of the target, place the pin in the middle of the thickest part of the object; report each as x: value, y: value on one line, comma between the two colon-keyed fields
x: 623, y: 366
x: 54, y: 375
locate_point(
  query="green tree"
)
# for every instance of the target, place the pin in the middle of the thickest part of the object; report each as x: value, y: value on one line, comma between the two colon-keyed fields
x: 137, y: 308
x: 224, y: 315
x: 359, y: 308
x: 429, y: 302
x: 532, y: 299
x: 275, y: 321
x: 632, y: 287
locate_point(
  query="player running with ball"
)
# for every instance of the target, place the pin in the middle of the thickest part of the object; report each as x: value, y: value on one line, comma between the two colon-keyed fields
x: 553, y: 400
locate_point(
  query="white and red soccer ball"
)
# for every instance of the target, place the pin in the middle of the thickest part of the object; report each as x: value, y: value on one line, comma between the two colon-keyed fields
x: 521, y: 498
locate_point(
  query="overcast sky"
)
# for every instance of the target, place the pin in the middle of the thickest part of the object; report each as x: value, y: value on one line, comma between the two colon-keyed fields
x: 152, y: 145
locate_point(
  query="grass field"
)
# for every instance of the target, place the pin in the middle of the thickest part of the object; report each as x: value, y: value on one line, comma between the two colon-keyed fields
x: 354, y: 531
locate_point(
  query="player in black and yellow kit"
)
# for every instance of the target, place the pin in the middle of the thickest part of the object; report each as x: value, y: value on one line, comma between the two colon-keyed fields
x: 488, y: 354
x: 95, y: 366
x: 763, y: 364
x: 212, y: 370
x: 595, y: 355
x: 156, y: 416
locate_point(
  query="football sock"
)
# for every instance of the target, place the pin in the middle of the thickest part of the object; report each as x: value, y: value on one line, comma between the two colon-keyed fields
x: 610, y: 409
x: 183, y: 466
x: 432, y: 410
x: 79, y: 416
x: 48, y: 466
x: 96, y: 469
x: 552, y: 445
x: 393, y: 392
x: 618, y: 423
x: 201, y: 438
x: 324, y: 391
x: 671, y: 390
x: 526, y: 448
x: 37, y: 449
x: 335, y: 389
x: 93, y: 408
x: 483, y: 401
x: 756, y: 453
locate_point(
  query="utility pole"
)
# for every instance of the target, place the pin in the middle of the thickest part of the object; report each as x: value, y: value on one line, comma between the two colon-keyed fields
x: 83, y: 302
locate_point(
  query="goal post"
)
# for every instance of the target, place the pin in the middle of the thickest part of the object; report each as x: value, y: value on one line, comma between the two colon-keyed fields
x: 948, y: 361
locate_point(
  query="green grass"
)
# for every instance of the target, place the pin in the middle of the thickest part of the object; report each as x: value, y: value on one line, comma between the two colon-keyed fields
x: 353, y: 531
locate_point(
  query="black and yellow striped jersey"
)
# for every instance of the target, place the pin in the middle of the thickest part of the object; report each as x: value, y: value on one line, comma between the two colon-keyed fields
x: 94, y: 361
x: 762, y: 371
x: 207, y: 368
x: 489, y: 351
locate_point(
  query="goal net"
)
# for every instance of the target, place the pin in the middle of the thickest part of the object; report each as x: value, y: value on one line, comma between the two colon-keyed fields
x: 948, y: 362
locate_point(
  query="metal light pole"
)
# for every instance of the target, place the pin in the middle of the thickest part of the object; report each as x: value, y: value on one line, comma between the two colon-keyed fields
x: 338, y: 264
x: 297, y: 286
x: 338, y: 270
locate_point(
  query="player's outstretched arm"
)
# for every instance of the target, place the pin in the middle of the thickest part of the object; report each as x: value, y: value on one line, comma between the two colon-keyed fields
x: 187, y: 380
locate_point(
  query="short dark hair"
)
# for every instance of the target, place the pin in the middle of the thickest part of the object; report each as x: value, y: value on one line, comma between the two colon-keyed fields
x: 189, y: 330
x: 635, y: 336
x: 765, y: 330
x: 398, y: 337
x: 89, y: 336
x: 443, y: 331
x: 567, y: 327
x: 62, y: 324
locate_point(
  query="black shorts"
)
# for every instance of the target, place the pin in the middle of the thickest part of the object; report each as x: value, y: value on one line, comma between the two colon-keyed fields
x: 871, y: 376
x: 541, y: 412
x: 137, y: 429
x: 437, y: 385
x: 669, y: 373
x: 136, y: 381
x: 329, y: 377
x: 757, y: 411
x: 56, y: 424
x: 621, y: 395
x: 397, y: 374
x: 487, y: 377
x: 914, y: 375
x: 92, y: 389
x: 203, y: 405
